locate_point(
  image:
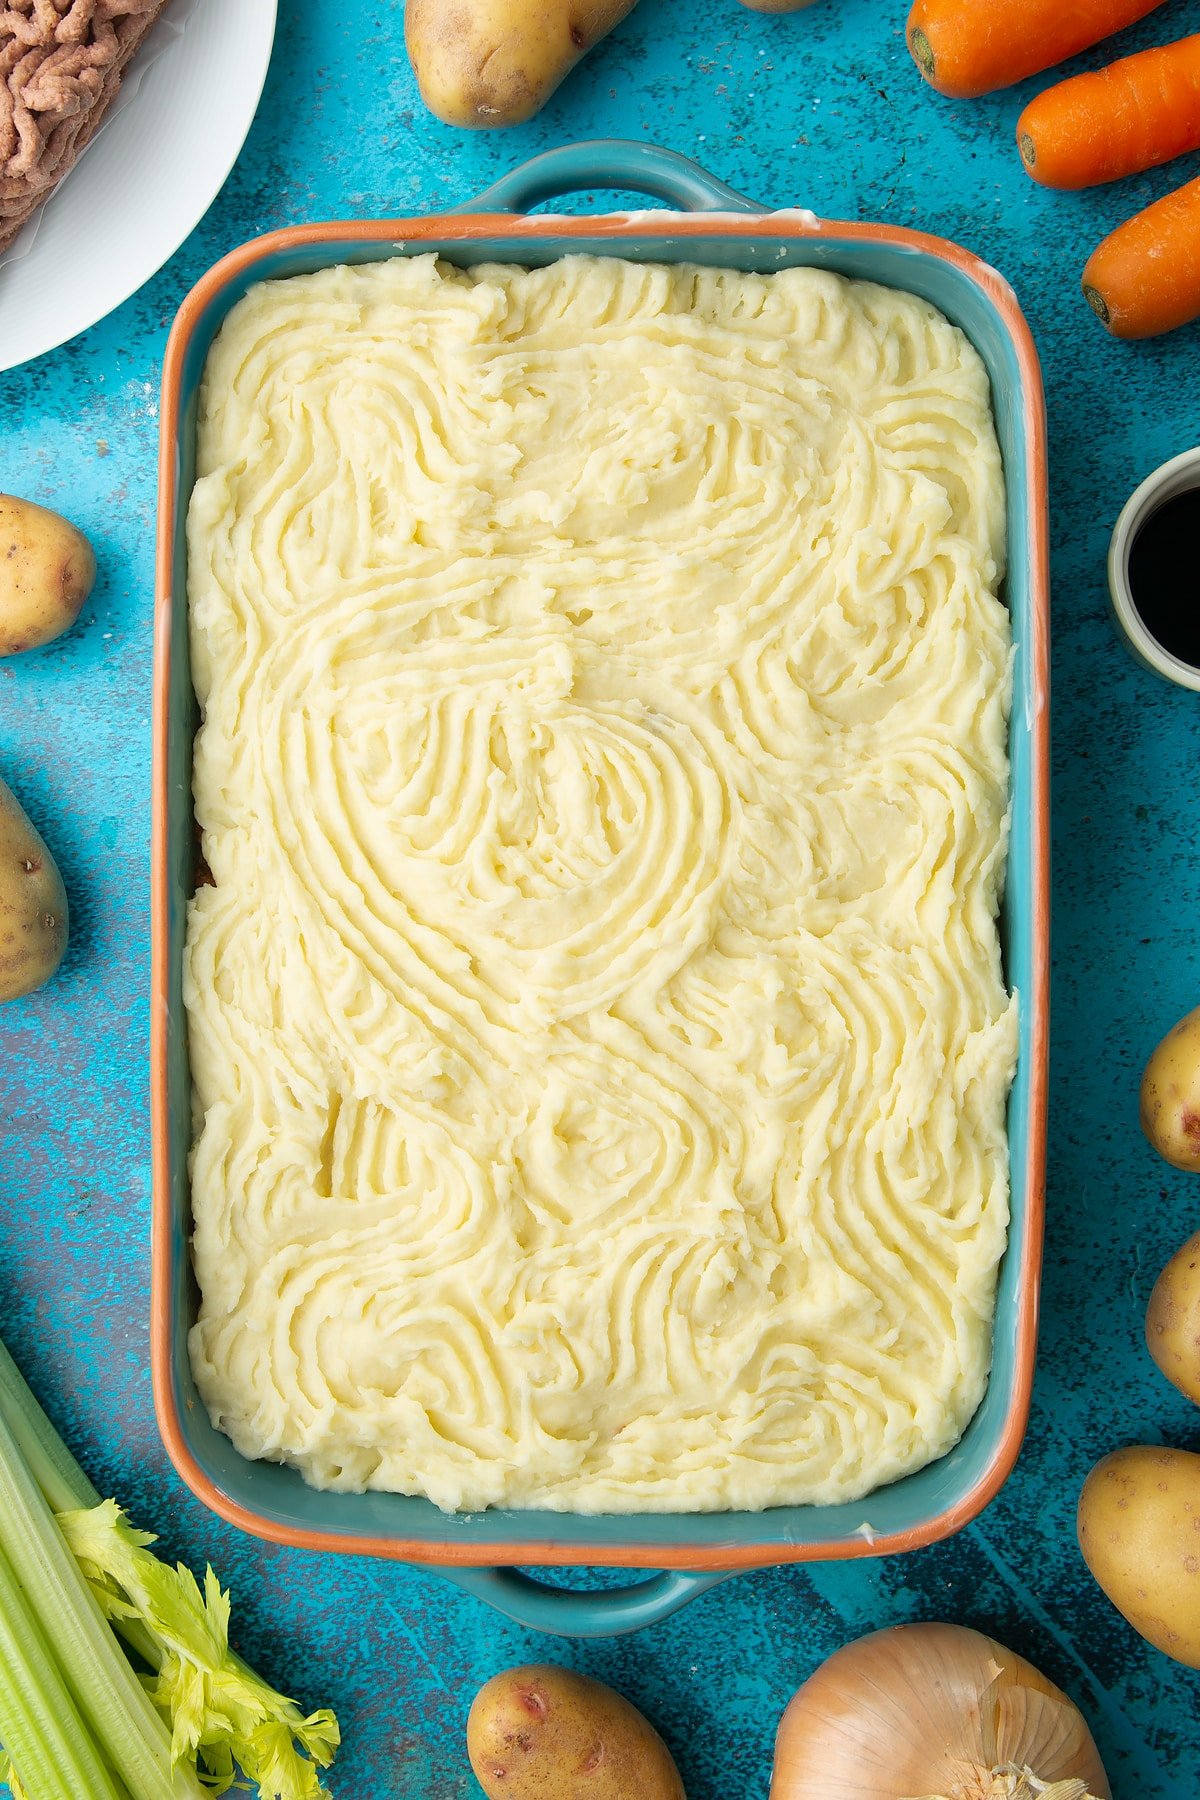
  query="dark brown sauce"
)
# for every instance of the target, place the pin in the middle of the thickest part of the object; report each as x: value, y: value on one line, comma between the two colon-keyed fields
x: 1164, y: 575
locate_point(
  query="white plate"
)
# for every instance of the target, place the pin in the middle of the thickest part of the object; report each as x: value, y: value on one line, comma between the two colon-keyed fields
x: 150, y: 176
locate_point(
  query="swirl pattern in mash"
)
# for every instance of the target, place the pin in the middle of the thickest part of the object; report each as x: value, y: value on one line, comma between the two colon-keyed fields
x: 597, y: 1022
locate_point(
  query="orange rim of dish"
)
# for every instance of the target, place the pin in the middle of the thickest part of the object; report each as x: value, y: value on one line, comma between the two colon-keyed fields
x: 466, y: 228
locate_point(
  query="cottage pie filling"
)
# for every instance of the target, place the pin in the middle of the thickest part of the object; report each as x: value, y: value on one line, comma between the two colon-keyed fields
x: 598, y: 1030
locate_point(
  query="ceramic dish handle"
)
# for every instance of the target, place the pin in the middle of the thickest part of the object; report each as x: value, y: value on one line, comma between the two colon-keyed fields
x: 611, y: 163
x: 595, y: 1613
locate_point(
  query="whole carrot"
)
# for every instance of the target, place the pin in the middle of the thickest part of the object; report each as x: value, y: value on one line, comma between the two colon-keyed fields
x: 969, y: 47
x: 1145, y: 277
x: 1113, y: 122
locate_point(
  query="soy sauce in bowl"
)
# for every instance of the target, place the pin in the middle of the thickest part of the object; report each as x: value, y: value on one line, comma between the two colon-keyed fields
x: 1164, y: 575
x: 1154, y: 571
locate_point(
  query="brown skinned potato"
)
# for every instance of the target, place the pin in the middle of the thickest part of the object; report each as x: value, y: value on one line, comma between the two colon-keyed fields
x: 544, y: 1733
x: 1173, y: 1320
x: 486, y: 63
x: 1170, y: 1096
x: 1139, y: 1530
x: 46, y: 573
x: 33, y: 904
x: 777, y: 6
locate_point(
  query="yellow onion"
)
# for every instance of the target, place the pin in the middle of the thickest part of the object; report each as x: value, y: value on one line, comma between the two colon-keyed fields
x: 933, y: 1712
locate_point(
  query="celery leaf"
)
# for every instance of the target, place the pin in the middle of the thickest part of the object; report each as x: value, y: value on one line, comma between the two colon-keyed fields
x: 222, y: 1715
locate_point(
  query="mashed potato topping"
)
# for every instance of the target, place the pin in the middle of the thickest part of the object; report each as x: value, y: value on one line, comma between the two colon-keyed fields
x: 597, y: 1022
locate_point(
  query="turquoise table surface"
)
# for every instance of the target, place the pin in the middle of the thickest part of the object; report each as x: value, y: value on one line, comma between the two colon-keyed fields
x: 821, y: 109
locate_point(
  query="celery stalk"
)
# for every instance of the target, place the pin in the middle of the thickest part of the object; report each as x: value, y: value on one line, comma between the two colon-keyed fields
x: 220, y: 1711
x: 57, y: 1473
x: 109, y: 1695
x: 39, y: 1722
x: 62, y: 1481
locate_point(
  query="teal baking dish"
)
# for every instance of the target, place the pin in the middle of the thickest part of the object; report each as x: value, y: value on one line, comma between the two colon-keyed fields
x: 481, y: 1551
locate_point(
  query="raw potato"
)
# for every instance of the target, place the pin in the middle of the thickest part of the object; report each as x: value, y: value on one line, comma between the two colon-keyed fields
x: 33, y: 904
x: 1170, y: 1098
x: 543, y: 1733
x: 497, y: 62
x: 1139, y: 1530
x: 1173, y: 1320
x: 46, y: 573
x: 777, y: 6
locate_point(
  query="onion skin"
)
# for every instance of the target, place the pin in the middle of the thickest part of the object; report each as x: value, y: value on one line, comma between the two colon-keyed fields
x: 925, y: 1709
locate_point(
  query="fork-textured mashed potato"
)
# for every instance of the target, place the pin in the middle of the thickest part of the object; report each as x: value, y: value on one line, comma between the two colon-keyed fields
x: 597, y: 1022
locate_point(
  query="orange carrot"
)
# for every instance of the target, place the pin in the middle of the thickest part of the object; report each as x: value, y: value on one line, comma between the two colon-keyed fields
x: 968, y: 47
x: 1145, y: 277
x: 1113, y: 122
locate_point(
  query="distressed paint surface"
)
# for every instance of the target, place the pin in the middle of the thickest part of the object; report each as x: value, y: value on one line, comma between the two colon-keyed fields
x: 821, y: 109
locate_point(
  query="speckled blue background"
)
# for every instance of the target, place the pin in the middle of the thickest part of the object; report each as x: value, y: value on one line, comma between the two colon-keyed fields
x: 822, y: 109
